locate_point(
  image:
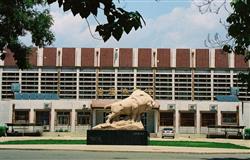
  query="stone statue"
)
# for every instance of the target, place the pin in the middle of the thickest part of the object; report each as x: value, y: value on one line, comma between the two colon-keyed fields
x: 132, y: 107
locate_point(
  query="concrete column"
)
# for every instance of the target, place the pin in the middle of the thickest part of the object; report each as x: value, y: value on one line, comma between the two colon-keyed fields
x: 218, y: 116
x: 94, y: 117
x: 173, y: 84
x: 212, y: 85
x: 173, y: 58
x: 39, y: 79
x: 40, y: 57
x: 177, y: 120
x: 198, y: 121
x: 1, y: 61
x: 156, y: 121
x: 135, y: 75
x: 116, y: 75
x: 59, y: 57
x: 1, y: 80
x: 77, y: 83
x: 135, y: 57
x: 231, y: 78
x: 97, y: 57
x: 231, y: 60
x: 20, y: 79
x: 52, y: 120
x: 78, y: 57
x: 73, y: 120
x: 32, y: 116
x: 241, y: 122
x: 116, y: 57
x: 212, y: 58
x: 154, y: 57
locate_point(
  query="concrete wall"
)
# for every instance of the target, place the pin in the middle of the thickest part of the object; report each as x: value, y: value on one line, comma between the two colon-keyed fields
x: 246, y: 114
x: 152, y: 120
x: 5, y: 112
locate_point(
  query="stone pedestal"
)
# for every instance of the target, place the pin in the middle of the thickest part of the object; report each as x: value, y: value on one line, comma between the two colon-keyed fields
x: 117, y: 137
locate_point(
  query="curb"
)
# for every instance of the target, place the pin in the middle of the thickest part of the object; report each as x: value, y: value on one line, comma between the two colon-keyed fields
x: 108, y: 148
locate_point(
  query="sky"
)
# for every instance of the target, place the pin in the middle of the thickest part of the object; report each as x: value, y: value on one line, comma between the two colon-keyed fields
x: 169, y: 24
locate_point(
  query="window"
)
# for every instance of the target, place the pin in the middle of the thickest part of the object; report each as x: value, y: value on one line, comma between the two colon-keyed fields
x: 208, y: 119
x: 21, y: 116
x: 63, y: 118
x: 229, y: 118
x: 166, y: 118
x: 83, y: 118
x: 187, y: 119
x: 42, y: 117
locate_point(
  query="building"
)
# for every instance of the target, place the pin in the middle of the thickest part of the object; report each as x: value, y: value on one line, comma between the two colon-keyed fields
x: 185, y: 82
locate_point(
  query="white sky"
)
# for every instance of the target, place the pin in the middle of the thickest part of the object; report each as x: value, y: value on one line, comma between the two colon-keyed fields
x: 169, y: 24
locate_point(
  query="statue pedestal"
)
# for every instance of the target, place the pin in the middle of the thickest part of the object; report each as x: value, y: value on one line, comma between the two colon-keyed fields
x: 117, y: 137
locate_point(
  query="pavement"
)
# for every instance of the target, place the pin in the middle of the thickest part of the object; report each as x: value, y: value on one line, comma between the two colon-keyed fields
x: 128, y: 148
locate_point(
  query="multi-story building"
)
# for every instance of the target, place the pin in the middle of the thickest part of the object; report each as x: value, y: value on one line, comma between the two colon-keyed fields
x: 185, y: 83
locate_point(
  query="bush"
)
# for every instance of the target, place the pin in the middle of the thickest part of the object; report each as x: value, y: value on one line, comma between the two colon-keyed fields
x: 247, y: 133
x: 2, y: 130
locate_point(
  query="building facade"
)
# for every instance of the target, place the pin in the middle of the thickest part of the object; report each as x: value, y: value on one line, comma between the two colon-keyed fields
x: 184, y: 81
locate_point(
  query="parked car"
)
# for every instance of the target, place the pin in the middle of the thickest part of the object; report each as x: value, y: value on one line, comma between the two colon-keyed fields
x: 168, y: 132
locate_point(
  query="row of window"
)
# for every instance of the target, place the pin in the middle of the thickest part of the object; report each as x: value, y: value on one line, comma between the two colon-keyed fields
x: 111, y: 85
x: 62, y: 117
x: 166, y: 118
x: 207, y: 118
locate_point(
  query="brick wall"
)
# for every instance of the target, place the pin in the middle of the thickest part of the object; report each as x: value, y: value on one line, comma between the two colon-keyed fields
x: 144, y: 57
x: 106, y: 57
x: 68, y: 57
x: 9, y: 59
x: 49, y: 57
x: 239, y: 61
x: 183, y: 58
x: 163, y: 57
x: 33, y: 57
x: 202, y: 58
x: 126, y: 57
x: 87, y: 57
x: 221, y: 59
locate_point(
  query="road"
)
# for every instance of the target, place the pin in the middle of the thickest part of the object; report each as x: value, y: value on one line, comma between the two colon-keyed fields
x: 83, y: 155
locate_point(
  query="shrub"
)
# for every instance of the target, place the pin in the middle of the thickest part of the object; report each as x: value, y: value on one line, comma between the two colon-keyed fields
x: 2, y: 130
x: 247, y: 133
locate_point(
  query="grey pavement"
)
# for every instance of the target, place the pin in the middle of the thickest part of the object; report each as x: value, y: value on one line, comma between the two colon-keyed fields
x: 127, y: 148
x: 83, y: 155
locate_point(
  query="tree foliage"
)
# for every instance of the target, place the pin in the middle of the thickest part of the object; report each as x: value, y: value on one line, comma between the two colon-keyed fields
x: 19, y: 17
x: 118, y: 20
x: 239, y: 31
x: 238, y: 28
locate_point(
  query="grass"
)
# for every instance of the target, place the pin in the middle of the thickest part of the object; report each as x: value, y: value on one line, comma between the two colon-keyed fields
x: 151, y: 143
x: 196, y: 144
x: 45, y: 141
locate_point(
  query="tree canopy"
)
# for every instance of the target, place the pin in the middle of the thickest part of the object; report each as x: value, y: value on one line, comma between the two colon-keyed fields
x: 239, y: 28
x: 20, y: 17
x: 239, y: 31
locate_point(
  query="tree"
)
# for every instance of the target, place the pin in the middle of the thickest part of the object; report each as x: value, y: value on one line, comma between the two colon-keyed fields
x: 19, y: 17
x: 238, y: 27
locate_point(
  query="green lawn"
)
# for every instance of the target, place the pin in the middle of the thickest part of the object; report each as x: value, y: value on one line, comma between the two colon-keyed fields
x: 152, y: 143
x: 45, y: 141
x: 196, y: 144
